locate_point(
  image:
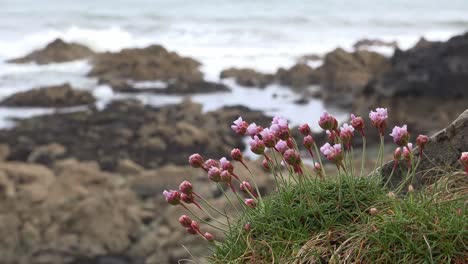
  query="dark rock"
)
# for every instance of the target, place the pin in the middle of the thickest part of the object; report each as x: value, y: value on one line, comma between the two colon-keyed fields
x: 146, y: 64
x: 309, y: 57
x: 149, y: 136
x: 51, y: 96
x: 181, y: 88
x: 345, y: 75
x: 56, y: 52
x: 441, y: 154
x: 298, y: 76
x: 248, y: 77
x: 301, y: 101
x: 366, y: 43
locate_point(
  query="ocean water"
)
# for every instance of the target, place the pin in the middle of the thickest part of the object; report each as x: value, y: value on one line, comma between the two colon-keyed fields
x: 261, y: 34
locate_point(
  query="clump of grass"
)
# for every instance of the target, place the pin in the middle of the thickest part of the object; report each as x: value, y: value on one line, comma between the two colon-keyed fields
x: 320, y: 222
x: 312, y: 217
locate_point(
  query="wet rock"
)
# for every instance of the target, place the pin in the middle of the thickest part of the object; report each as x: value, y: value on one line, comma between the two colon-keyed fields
x: 145, y: 64
x: 345, y: 75
x: 298, y: 76
x: 51, y: 96
x: 248, y: 77
x: 56, y: 52
x: 440, y: 154
x: 367, y: 43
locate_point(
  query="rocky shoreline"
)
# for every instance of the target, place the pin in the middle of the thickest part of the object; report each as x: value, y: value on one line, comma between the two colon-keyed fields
x: 84, y: 187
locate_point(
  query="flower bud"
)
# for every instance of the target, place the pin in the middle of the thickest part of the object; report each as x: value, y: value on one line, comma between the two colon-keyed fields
x: 391, y: 195
x: 186, y: 187
x: 208, y: 236
x: 240, y: 126
x: 185, y: 220
x: 397, y: 154
x: 422, y: 140
x: 407, y: 152
x: 268, y: 138
x: 186, y: 198
x: 292, y: 157
x: 191, y: 231
x: 357, y: 123
x: 172, y: 197
x: 236, y: 154
x: 265, y: 164
x: 214, y: 174
x: 247, y: 227
x: 194, y: 225
x: 308, y: 142
x: 196, y: 160
x: 305, y: 129
x: 246, y: 187
x: 328, y: 122
x: 346, y: 133
x: 410, y: 188
x: 226, y: 164
x: 225, y: 176
x: 373, y: 211
x: 211, y: 163
x: 464, y: 160
x: 257, y: 146
x: 250, y: 203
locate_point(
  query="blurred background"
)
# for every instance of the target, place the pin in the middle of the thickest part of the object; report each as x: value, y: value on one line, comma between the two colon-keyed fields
x: 101, y: 103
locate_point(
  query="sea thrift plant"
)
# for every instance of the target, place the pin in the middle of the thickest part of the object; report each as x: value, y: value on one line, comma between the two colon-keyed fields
x: 314, y: 217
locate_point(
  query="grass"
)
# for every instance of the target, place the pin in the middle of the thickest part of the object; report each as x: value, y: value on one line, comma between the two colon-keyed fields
x: 328, y: 221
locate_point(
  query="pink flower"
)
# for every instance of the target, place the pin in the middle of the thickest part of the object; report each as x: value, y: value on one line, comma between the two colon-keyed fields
x: 250, y: 203
x: 422, y: 140
x: 225, y: 176
x: 257, y: 146
x: 196, y: 160
x: 186, y: 198
x: 268, y: 137
x: 464, y: 160
x: 253, y: 129
x: 186, y: 187
x: 358, y: 123
x: 318, y: 169
x: 331, y: 135
x: 305, y: 129
x: 407, y: 152
x: 191, y: 231
x: 281, y: 146
x: 195, y: 226
x: 209, y: 237
x: 185, y: 220
x: 346, y: 133
x: 332, y: 153
x: 211, y: 163
x: 214, y: 174
x: 400, y: 135
x: 236, y: 154
x: 308, y: 142
x: 292, y: 157
x: 378, y: 118
x: 247, y: 227
x: 280, y: 127
x: 328, y: 122
x: 226, y: 164
x: 247, y: 188
x: 397, y: 154
x: 172, y: 197
x: 239, y: 126
x: 265, y: 164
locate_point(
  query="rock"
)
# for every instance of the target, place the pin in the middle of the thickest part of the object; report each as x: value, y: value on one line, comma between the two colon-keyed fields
x: 437, y: 69
x: 345, y: 75
x: 309, y: 57
x: 247, y: 77
x: 441, y: 153
x: 301, y: 101
x: 128, y: 167
x: 366, y: 43
x: 47, y: 154
x: 298, y: 76
x: 4, y: 152
x: 145, y: 64
x: 149, y: 136
x: 56, y: 52
x: 51, y: 96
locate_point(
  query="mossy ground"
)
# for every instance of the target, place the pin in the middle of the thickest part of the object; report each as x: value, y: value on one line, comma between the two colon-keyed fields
x: 329, y: 222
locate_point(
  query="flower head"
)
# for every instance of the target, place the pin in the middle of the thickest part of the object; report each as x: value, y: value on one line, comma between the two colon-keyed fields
x: 253, y: 129
x: 186, y: 198
x: 250, y: 203
x: 226, y: 176
x: 257, y: 146
x: 280, y: 127
x: 378, y: 118
x: 308, y: 142
x: 328, y: 122
x: 400, y: 135
x: 397, y: 154
x: 236, y: 154
x: 407, y: 150
x: 422, y: 140
x: 281, y: 146
x: 247, y: 227
x: 332, y: 153
x: 209, y: 237
x: 185, y: 220
x: 346, y: 133
x: 226, y: 164
x: 246, y: 187
x: 186, y: 187
x: 172, y: 197
x: 214, y: 174
x: 265, y: 164
x: 196, y: 160
x: 464, y: 160
x: 239, y: 126
x: 292, y: 157
x: 331, y: 135
x: 268, y: 137
x: 211, y: 163
x: 358, y: 123
x: 305, y: 129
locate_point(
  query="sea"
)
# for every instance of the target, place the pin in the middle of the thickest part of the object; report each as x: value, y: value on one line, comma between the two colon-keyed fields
x: 259, y: 34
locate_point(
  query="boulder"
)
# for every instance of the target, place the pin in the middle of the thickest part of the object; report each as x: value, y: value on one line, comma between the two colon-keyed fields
x: 441, y: 154
x: 247, y: 77
x: 56, y: 52
x: 298, y: 76
x: 145, y: 64
x: 367, y: 43
x: 179, y: 88
x: 4, y: 152
x: 51, y: 96
x: 47, y: 154
x: 345, y: 75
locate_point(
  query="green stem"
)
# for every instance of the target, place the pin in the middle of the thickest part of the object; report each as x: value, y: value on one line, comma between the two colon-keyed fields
x: 363, y: 155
